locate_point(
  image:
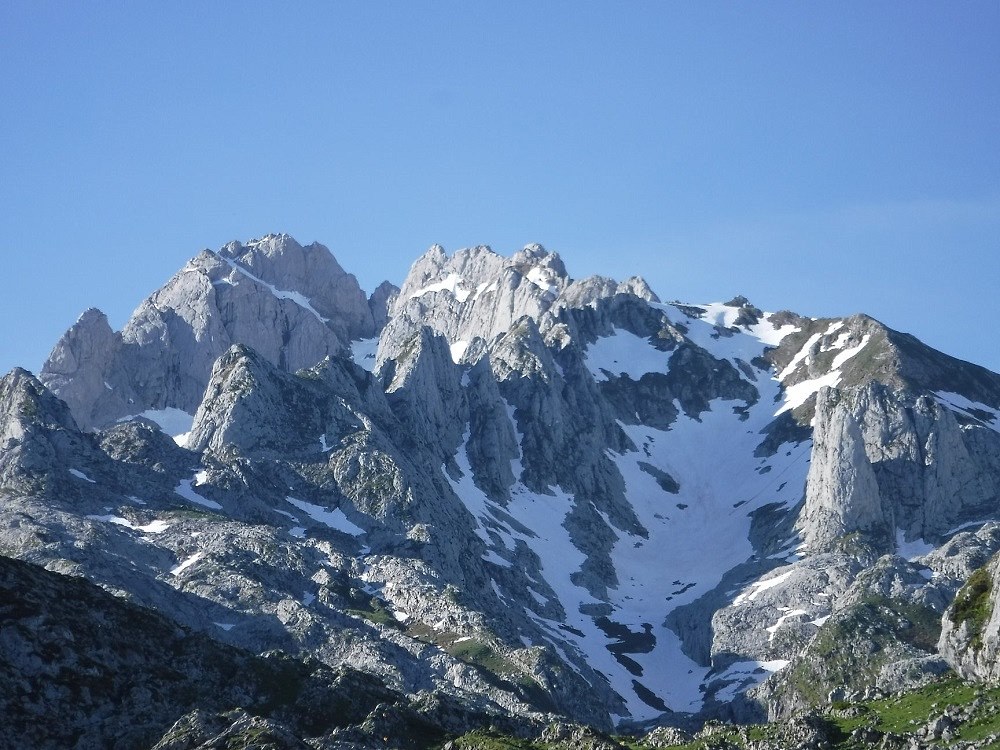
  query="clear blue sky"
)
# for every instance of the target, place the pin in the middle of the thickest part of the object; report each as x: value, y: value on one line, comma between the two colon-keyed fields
x: 827, y: 157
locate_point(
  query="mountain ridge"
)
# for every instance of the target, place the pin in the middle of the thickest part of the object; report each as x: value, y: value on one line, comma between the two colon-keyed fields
x: 548, y: 494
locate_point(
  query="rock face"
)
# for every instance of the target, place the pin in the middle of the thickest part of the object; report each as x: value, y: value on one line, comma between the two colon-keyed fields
x: 842, y: 494
x: 294, y: 305
x: 970, y: 633
x: 541, y: 496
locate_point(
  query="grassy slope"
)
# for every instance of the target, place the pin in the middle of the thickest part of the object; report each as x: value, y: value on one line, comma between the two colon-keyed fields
x: 978, y: 711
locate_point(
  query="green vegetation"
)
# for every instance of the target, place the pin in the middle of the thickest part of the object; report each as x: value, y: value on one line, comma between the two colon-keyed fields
x: 374, y: 611
x: 973, y: 713
x: 973, y: 606
x: 482, y: 739
x: 851, y: 650
x: 481, y: 654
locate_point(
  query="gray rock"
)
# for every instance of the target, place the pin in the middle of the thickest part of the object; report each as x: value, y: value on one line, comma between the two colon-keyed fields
x: 842, y: 494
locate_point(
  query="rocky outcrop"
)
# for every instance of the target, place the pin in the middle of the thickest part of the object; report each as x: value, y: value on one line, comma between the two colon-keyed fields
x: 886, y: 460
x: 294, y: 305
x: 842, y: 494
x: 970, y: 628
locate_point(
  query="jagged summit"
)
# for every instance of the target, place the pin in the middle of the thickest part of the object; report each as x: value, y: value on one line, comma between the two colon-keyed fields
x: 292, y: 304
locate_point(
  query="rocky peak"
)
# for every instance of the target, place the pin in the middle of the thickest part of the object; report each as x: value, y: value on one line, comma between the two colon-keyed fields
x: 293, y: 305
x: 310, y: 271
x: 381, y: 301
x: 41, y: 448
x: 26, y: 403
x: 254, y: 407
x: 81, y: 368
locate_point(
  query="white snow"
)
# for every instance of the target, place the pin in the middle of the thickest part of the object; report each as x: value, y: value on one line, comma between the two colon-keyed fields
x: 176, y: 571
x: 80, y: 475
x: 200, y: 478
x: 296, y: 297
x: 845, y: 355
x: 451, y: 283
x: 322, y: 444
x: 364, y: 351
x: 153, y: 527
x: 108, y: 385
x: 800, y: 356
x: 543, y: 279
x: 818, y: 622
x: 227, y: 626
x: 738, y: 347
x: 759, y: 587
x: 485, y: 288
x: 796, y: 395
x: 624, y: 353
x: 743, y: 675
x: 773, y: 630
x: 457, y: 350
x: 967, y: 525
x: 958, y: 402
x: 185, y: 490
x: 172, y: 421
x: 335, y: 518
x: 720, y: 485
x: 298, y: 532
x: 493, y: 557
x: 911, y: 550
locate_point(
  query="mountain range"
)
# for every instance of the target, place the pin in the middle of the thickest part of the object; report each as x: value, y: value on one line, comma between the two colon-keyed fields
x: 493, y: 495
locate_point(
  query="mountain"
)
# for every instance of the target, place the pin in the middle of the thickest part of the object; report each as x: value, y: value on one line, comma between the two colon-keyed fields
x: 527, y: 495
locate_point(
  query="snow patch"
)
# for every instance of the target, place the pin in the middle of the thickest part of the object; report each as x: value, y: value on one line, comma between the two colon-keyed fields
x: 979, y: 411
x: 458, y: 350
x: 335, y: 518
x: 172, y: 421
x: 773, y: 630
x: 153, y: 527
x: 796, y: 395
x: 363, y: 352
x: 80, y: 475
x: 185, y: 490
x: 543, y: 279
x: 743, y: 675
x: 911, y: 550
x: 451, y: 283
x: 176, y: 571
x: 299, y: 299
x: 759, y: 587
x: 845, y: 355
x: 624, y: 353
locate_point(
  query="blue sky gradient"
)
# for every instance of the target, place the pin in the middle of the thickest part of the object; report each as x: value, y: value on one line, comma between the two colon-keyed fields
x: 828, y: 158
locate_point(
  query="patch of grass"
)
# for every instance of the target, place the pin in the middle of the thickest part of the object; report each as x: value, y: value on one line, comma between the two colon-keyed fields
x: 973, y: 606
x: 897, y: 714
x: 481, y: 654
x: 374, y: 611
